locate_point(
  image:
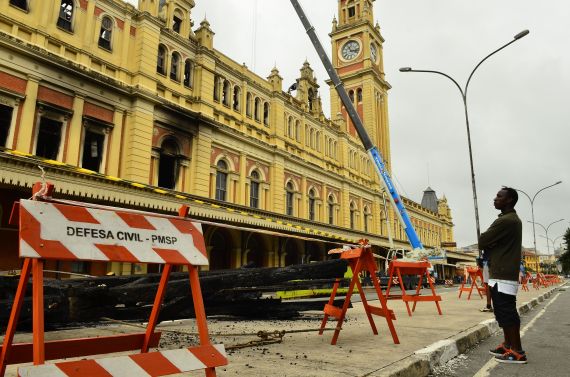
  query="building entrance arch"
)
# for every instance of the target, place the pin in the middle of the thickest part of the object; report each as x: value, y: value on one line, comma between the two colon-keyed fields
x: 255, y: 251
x: 220, y: 246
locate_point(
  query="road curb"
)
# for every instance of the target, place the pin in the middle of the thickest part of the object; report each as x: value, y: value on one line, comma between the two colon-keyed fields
x: 425, y: 360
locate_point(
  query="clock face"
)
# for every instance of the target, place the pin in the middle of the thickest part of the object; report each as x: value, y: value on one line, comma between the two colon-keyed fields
x: 373, y: 53
x: 350, y: 50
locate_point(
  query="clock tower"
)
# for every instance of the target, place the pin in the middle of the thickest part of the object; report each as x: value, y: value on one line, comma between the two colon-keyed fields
x: 357, y: 57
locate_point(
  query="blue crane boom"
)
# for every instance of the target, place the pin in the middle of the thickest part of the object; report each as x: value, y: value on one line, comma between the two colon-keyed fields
x: 371, y: 149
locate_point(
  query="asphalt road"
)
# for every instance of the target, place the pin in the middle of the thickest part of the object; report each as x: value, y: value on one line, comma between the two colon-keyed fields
x: 545, y: 334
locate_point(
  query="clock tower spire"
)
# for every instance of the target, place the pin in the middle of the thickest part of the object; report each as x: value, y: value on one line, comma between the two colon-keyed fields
x: 357, y: 57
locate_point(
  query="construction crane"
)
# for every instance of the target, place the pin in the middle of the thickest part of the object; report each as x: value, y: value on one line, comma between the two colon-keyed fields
x: 373, y: 152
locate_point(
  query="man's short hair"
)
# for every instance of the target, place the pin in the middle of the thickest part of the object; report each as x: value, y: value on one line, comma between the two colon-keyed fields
x: 513, y: 194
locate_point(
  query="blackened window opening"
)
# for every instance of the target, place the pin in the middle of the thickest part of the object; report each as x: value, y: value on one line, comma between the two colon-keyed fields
x: 177, y: 22
x: 105, y: 33
x: 49, y: 138
x: 188, y: 73
x: 92, y: 150
x: 5, y: 121
x: 166, y: 171
x: 65, y: 15
x: 160, y: 60
x: 22, y: 4
x: 174, y: 67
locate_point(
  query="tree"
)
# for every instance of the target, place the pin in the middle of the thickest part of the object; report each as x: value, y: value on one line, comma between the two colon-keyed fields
x: 565, y: 258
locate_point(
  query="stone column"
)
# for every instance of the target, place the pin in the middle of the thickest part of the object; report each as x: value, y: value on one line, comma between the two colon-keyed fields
x: 200, y: 164
x: 27, y: 126
x: 76, y: 133
x: 114, y: 143
x: 303, y: 208
x: 241, y: 186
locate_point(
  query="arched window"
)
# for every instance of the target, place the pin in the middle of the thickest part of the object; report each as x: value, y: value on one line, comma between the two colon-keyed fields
x: 254, y: 190
x: 168, y: 164
x: 359, y: 95
x: 66, y: 12
x: 311, y: 204
x: 221, y: 180
x: 188, y: 68
x: 290, y: 191
x: 174, y: 67
x: 318, y: 141
x: 330, y: 202
x: 366, y: 217
x: 237, y: 97
x: 352, y: 214
x: 106, y: 33
x: 310, y: 98
x: 266, y: 114
x: 290, y: 127
x: 217, y: 81
x: 161, y: 60
x: 307, y: 136
x: 312, y: 138
x: 248, y: 103
x: 298, y: 131
x: 256, y: 108
x: 351, y: 95
x: 226, y: 96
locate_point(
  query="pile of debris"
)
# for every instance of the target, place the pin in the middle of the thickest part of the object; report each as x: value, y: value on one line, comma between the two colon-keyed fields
x: 238, y: 292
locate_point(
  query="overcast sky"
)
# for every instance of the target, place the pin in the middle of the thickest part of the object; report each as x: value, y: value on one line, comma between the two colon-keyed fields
x: 518, y: 99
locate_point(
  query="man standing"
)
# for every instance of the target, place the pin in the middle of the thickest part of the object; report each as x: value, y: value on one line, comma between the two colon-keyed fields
x: 503, y: 242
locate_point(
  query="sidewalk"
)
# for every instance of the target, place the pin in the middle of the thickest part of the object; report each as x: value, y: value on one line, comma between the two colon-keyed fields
x: 357, y: 353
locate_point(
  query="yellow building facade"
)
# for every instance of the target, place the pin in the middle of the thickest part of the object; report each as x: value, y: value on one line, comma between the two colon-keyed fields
x: 531, y: 260
x: 133, y: 106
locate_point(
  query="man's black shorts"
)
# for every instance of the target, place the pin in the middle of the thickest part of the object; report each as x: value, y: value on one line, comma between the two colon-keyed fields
x: 505, y: 308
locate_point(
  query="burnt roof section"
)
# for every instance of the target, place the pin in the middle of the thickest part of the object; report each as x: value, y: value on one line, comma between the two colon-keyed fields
x: 429, y: 200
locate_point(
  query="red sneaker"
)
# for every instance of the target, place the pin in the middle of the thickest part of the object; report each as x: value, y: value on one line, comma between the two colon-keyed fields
x: 512, y: 357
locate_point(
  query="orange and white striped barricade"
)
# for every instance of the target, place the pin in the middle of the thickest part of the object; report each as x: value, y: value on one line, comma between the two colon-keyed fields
x: 420, y: 269
x: 552, y: 279
x: 63, y: 230
x: 359, y: 260
x: 475, y: 273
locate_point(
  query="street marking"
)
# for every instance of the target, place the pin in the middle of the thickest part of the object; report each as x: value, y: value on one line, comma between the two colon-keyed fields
x: 486, y: 369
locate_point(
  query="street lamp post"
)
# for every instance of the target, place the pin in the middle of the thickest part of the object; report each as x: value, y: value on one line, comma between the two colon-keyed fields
x: 532, y: 207
x: 464, y: 98
x: 546, y: 231
x: 552, y: 241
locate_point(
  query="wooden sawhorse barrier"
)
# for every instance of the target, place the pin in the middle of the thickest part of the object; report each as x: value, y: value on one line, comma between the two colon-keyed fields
x: 553, y: 279
x: 474, y: 273
x: 543, y: 280
x: 524, y: 282
x: 44, y: 228
x: 420, y: 269
x: 360, y: 259
x: 535, y: 280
